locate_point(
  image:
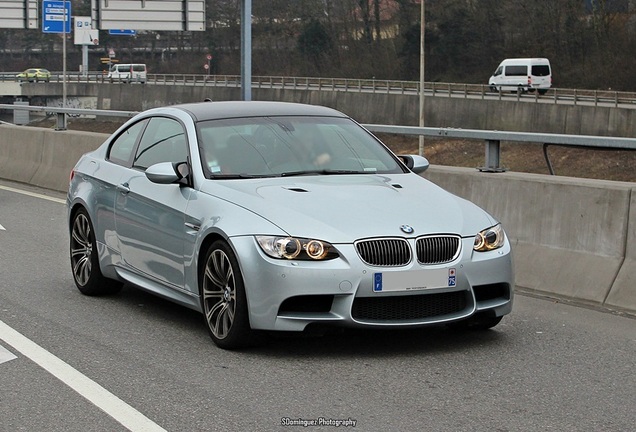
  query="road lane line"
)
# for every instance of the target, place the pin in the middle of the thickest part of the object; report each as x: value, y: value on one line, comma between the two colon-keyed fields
x: 119, y: 410
x: 6, y: 355
x: 33, y: 194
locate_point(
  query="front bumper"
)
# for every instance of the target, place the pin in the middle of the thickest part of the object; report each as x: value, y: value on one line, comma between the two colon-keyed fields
x: 290, y: 295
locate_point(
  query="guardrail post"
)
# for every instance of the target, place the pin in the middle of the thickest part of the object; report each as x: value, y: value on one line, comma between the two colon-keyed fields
x: 493, y: 157
x: 60, y: 123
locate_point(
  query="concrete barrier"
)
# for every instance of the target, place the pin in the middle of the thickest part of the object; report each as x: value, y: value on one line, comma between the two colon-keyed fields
x: 43, y: 157
x: 572, y: 238
x: 623, y: 293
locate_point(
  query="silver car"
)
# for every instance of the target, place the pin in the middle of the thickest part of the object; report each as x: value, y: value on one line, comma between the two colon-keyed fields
x: 279, y: 216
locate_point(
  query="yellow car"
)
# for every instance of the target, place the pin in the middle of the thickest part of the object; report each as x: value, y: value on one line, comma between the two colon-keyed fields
x: 34, y: 74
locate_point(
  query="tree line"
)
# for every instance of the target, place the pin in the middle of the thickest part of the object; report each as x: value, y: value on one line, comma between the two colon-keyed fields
x: 590, y: 43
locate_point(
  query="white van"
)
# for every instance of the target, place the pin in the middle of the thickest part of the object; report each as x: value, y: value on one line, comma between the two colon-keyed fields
x: 128, y: 72
x: 522, y: 74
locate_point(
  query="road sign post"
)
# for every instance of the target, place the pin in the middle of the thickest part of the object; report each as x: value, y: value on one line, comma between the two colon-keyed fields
x: 207, y: 66
x: 56, y: 18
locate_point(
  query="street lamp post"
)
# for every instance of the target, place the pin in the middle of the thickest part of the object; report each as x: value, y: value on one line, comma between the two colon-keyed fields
x: 422, y: 26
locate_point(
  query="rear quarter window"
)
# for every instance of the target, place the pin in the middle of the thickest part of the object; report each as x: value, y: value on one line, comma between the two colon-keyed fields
x: 121, y: 149
x: 540, y: 70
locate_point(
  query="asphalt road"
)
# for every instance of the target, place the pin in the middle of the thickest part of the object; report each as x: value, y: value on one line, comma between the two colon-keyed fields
x: 135, y: 362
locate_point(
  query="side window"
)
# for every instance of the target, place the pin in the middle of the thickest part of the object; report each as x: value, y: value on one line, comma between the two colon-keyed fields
x: 164, y: 140
x: 121, y: 149
x: 516, y: 70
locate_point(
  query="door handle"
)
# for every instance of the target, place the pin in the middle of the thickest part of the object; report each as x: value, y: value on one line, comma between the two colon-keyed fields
x: 123, y: 188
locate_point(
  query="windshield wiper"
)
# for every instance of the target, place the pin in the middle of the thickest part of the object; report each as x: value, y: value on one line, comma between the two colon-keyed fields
x: 239, y: 176
x: 320, y: 172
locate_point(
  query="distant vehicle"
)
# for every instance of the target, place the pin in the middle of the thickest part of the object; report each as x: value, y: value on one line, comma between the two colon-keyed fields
x: 522, y: 75
x: 135, y: 72
x: 34, y: 74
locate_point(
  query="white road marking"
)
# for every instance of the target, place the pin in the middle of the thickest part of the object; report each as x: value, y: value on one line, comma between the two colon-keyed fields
x: 119, y: 410
x: 6, y: 355
x: 2, y: 228
x: 33, y: 194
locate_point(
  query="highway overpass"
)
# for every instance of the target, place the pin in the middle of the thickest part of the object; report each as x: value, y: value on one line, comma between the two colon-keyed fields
x: 454, y: 106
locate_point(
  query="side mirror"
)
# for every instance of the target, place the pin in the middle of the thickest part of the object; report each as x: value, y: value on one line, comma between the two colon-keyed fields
x: 417, y: 164
x: 166, y: 172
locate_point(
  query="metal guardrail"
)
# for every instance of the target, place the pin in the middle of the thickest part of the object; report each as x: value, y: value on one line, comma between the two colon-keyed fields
x: 492, y: 139
x: 434, y: 89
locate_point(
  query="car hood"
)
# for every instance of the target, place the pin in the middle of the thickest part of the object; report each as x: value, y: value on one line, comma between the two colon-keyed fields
x: 344, y: 208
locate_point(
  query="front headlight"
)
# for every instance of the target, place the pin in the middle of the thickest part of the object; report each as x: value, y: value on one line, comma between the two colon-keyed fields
x: 489, y: 239
x: 296, y: 248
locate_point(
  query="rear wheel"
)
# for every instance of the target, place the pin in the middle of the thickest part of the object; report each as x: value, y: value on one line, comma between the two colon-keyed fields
x: 223, y: 298
x: 84, y: 260
x: 542, y: 91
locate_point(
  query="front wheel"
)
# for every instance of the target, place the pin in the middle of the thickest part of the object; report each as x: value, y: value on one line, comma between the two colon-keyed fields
x: 223, y: 298
x: 85, y: 261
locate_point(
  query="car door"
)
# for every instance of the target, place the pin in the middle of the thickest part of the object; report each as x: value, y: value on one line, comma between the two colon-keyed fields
x: 149, y: 217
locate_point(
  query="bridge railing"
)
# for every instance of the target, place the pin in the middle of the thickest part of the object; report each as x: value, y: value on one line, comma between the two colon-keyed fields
x: 437, y: 89
x: 492, y: 139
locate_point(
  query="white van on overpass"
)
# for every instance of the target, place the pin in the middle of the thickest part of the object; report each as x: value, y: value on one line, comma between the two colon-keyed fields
x: 128, y: 73
x: 522, y: 75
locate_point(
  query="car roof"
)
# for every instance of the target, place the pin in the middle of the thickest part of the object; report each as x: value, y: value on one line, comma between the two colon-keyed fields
x: 202, y: 111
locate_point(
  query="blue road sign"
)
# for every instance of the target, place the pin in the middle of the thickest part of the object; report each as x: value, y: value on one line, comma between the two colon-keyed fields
x: 56, y: 16
x: 122, y: 32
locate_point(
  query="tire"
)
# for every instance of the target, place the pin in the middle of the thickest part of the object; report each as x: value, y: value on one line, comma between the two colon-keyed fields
x: 223, y: 298
x: 542, y: 91
x: 87, y: 275
x: 476, y: 322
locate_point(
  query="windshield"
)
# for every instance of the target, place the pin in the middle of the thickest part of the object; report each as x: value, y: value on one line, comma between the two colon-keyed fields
x: 290, y: 146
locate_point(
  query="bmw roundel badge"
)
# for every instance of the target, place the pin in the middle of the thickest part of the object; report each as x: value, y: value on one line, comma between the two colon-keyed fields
x: 407, y: 229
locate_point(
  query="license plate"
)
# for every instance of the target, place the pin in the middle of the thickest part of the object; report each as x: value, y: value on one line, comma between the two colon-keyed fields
x: 414, y: 280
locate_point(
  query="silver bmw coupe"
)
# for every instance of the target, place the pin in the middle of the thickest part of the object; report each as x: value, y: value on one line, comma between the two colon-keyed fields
x: 284, y: 217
